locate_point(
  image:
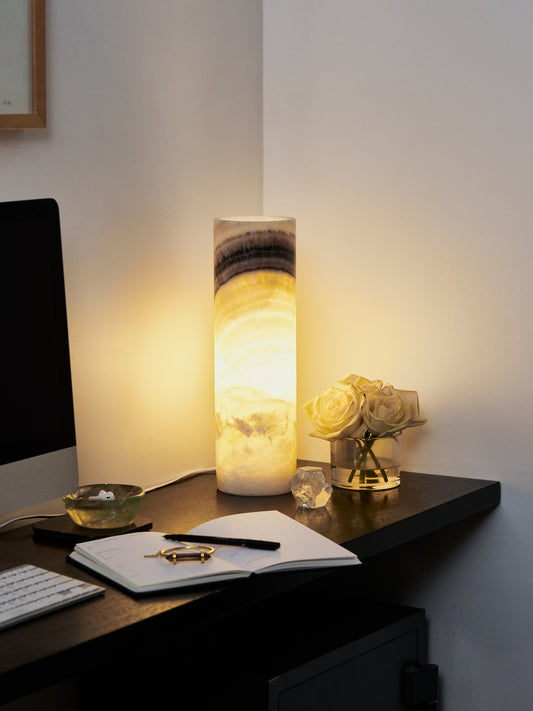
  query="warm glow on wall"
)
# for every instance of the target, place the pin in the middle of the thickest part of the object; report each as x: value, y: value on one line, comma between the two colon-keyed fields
x: 255, y: 354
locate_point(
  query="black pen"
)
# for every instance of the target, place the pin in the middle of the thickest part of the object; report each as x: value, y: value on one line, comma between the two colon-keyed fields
x: 243, y: 542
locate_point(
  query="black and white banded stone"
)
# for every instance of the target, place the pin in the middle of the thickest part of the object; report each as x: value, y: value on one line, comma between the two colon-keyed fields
x: 242, y: 246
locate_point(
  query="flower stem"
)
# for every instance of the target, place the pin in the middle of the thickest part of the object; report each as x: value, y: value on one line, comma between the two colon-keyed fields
x: 378, y: 465
x: 367, y: 449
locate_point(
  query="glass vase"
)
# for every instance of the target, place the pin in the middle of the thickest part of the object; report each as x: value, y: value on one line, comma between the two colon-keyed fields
x: 367, y: 464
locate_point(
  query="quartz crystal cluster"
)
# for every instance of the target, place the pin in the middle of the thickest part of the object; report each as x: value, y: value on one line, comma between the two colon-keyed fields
x: 310, y: 487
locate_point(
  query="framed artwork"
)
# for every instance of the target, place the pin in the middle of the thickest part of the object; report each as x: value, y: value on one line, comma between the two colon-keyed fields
x: 22, y: 64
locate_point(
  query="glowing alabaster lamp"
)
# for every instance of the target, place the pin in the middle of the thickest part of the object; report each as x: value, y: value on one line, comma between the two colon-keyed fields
x: 255, y: 354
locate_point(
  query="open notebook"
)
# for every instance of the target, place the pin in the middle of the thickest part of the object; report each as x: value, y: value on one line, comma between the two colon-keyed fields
x: 122, y: 560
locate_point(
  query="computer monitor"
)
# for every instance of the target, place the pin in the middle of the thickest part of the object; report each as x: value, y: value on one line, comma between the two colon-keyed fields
x: 38, y: 458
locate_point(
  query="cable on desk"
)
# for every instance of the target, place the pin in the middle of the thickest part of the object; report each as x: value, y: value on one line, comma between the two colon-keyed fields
x: 179, y: 477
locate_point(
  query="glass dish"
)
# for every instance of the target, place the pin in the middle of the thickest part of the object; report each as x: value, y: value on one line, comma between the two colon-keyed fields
x: 88, y: 507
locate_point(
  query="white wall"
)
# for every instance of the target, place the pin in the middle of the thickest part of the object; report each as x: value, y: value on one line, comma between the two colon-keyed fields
x: 399, y: 137
x: 154, y: 128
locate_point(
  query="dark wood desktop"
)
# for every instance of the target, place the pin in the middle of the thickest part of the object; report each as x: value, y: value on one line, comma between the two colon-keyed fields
x: 140, y: 648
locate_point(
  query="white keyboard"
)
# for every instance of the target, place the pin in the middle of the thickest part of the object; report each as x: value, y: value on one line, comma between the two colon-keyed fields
x: 28, y: 591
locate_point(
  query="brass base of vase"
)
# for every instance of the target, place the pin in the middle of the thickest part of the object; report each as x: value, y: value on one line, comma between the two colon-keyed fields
x: 364, y: 479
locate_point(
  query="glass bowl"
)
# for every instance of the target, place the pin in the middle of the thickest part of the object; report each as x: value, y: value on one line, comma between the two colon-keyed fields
x: 104, y: 505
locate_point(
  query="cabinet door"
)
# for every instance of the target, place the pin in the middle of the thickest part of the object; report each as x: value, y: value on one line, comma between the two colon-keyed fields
x: 367, y: 681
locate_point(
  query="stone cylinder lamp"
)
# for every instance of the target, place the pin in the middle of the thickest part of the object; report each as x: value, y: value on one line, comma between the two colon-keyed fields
x: 255, y: 354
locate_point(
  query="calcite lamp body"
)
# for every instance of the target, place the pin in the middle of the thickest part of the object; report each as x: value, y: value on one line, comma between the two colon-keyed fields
x: 255, y: 354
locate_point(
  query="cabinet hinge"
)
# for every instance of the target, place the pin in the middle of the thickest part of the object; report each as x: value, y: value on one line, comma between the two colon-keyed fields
x: 421, y: 687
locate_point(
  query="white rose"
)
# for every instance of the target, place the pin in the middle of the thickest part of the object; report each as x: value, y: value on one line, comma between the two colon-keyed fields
x: 336, y: 412
x: 363, y: 385
x: 390, y: 410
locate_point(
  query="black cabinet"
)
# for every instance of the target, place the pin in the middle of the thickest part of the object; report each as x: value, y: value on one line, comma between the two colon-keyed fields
x: 322, y: 647
x: 367, y: 674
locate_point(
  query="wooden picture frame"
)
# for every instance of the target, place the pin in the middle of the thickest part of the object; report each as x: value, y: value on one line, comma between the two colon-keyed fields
x: 26, y: 83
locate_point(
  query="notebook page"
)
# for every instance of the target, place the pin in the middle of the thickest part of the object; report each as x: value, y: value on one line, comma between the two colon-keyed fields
x: 122, y: 558
x: 300, y: 545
